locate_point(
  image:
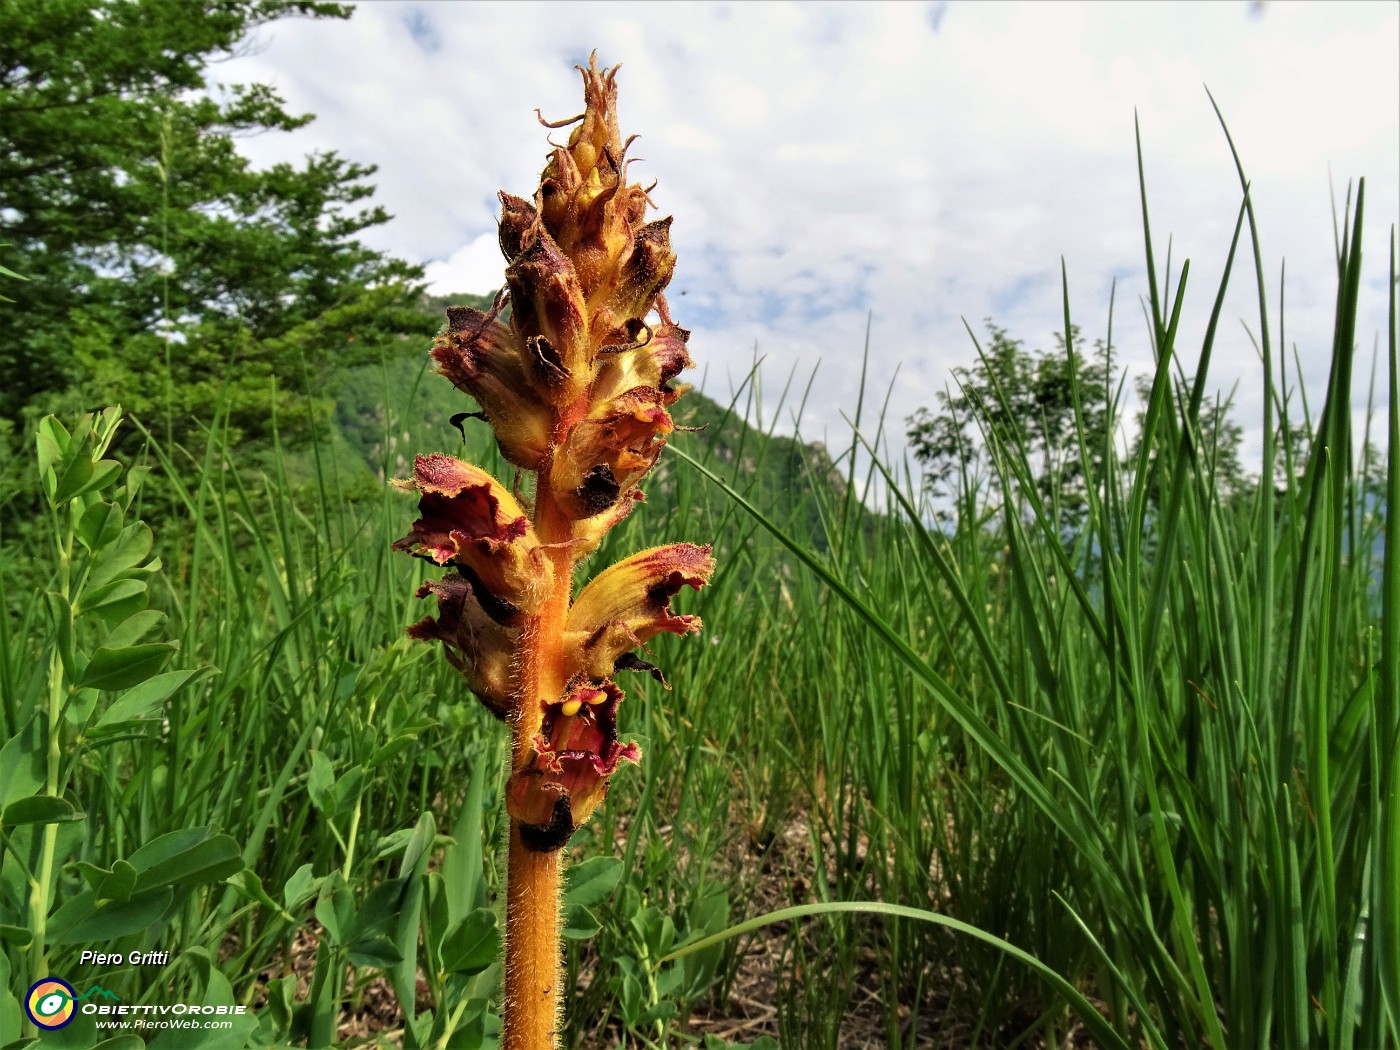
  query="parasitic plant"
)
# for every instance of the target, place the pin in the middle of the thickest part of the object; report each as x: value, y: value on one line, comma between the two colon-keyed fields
x: 576, y: 385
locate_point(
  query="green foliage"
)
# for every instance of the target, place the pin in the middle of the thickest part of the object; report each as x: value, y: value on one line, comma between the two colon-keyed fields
x: 149, y: 240
x: 1031, y: 399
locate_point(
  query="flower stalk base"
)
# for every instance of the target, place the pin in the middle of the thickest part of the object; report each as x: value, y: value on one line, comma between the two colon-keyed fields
x: 533, y: 963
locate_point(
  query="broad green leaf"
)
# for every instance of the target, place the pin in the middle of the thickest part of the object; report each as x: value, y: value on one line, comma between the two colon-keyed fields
x: 473, y: 945
x: 39, y: 809
x: 91, y: 873
x: 320, y: 781
x: 80, y: 705
x: 99, y: 525
x: 9, y: 1004
x: 580, y: 924
x: 592, y: 881
x: 112, y: 602
x: 379, y: 951
x: 189, y: 857
x: 132, y: 545
x: 83, y: 920
x: 19, y: 936
x: 124, y: 668
x: 22, y: 762
x: 300, y: 888
x: 144, y: 699
x: 118, y: 885
x: 78, y: 1034
x: 53, y: 441
x: 335, y: 908
x: 347, y: 791
x: 131, y: 630
x: 71, y: 475
x: 379, y: 913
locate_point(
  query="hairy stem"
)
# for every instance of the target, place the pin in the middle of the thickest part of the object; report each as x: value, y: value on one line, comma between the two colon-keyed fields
x: 533, y: 971
x: 532, y: 997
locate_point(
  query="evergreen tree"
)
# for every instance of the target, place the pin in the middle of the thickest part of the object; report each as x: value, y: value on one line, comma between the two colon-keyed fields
x: 164, y: 271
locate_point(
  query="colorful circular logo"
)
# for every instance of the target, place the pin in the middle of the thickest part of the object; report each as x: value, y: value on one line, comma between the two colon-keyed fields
x: 49, y: 1003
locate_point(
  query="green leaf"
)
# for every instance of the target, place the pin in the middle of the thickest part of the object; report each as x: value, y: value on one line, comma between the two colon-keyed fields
x: 319, y: 783
x: 300, y: 888
x: 79, y: 706
x: 335, y: 908
x: 189, y: 857
x: 112, y: 602
x: 119, y: 884
x: 347, y: 791
x: 9, y: 1005
x: 121, y: 1042
x: 39, y: 809
x: 71, y: 475
x: 99, y: 525
x: 412, y: 868
x: 62, y: 613
x: 378, y: 951
x: 142, y: 700
x: 19, y: 936
x: 591, y: 882
x: 249, y: 886
x: 124, y: 668
x: 423, y: 834
x: 131, y: 630
x: 132, y: 545
x: 379, y: 913
x: 473, y: 944
x: 91, y: 873
x: 22, y: 762
x: 462, y: 859
x: 580, y: 924
x: 82, y: 919
x: 53, y: 441
x: 217, y: 992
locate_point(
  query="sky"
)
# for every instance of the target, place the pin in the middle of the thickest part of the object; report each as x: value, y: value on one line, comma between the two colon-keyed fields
x: 906, y: 169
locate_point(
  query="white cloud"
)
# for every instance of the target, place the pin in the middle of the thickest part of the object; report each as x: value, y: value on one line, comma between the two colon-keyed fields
x: 475, y: 267
x: 825, y: 161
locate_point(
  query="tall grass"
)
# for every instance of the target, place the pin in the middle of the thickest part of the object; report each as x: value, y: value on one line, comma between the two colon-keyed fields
x: 1160, y: 753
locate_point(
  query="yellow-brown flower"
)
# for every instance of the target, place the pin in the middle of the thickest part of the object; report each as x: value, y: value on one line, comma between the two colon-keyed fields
x: 577, y: 385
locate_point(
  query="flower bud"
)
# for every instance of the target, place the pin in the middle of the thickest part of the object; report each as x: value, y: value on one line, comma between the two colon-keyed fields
x: 518, y: 216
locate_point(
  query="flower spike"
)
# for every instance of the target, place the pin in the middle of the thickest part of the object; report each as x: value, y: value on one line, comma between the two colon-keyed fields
x: 576, y: 382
